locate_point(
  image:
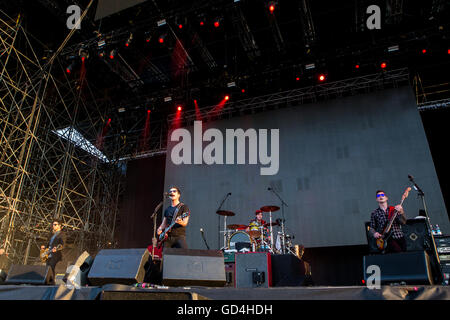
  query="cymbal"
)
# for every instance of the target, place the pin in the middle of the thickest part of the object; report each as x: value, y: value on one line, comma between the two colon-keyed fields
x: 225, y: 213
x: 270, y: 208
x: 268, y: 224
x: 254, y: 234
x: 236, y: 226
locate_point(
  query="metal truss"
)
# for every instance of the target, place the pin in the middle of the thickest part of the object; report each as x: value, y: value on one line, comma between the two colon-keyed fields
x: 310, y: 94
x: 43, y: 175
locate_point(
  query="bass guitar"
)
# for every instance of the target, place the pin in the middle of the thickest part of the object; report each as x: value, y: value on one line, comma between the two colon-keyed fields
x: 164, y: 235
x: 43, y: 255
x: 382, y: 241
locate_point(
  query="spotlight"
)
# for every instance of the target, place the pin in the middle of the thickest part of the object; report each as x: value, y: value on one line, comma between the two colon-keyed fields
x: 180, y: 26
x: 69, y: 69
x: 161, y: 38
x: 297, y: 79
x: 202, y: 23
x: 383, y: 65
x: 271, y: 6
x: 227, y: 97
x: 112, y: 54
x: 321, y: 77
x: 424, y: 51
x: 216, y: 24
x: 179, y: 108
x: 127, y: 43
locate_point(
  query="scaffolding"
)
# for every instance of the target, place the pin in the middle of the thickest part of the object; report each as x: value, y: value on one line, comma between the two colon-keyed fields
x: 45, y: 173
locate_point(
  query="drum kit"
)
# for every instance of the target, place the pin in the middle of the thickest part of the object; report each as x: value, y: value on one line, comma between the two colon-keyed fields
x: 254, y: 237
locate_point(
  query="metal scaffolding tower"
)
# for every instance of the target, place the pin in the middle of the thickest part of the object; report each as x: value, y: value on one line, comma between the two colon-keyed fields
x: 55, y: 161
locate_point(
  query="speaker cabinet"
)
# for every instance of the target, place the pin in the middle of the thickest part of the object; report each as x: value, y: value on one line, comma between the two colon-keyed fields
x: 229, y: 272
x: 184, y: 267
x: 27, y: 274
x: 76, y: 273
x: 253, y: 270
x: 288, y: 270
x: 408, y: 267
x: 120, y: 266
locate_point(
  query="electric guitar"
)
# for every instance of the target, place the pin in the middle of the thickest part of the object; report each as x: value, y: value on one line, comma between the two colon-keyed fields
x: 43, y: 255
x: 382, y: 241
x: 165, y: 234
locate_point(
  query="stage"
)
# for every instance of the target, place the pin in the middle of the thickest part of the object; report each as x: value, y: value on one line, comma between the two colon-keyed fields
x: 125, y: 292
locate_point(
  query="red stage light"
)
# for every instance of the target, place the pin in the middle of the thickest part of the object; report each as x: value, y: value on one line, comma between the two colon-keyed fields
x: 180, y: 26
x: 272, y: 8
x: 383, y: 65
x: 179, y: 108
x: 202, y: 23
x: 297, y: 79
x: 216, y: 24
x: 161, y: 40
x: 68, y: 70
x: 321, y: 77
x: 357, y: 66
x: 227, y: 98
x: 424, y: 50
x: 243, y: 90
x: 83, y: 58
x: 448, y: 51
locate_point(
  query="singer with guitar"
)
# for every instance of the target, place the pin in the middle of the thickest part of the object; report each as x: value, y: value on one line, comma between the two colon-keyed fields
x: 52, y: 254
x: 172, y: 231
x: 381, y: 217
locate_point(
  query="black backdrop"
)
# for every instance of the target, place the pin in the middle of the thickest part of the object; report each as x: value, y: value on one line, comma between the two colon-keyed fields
x: 144, y: 190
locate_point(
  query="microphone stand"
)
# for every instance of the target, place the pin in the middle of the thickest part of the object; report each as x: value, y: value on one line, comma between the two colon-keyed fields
x: 224, y: 222
x: 283, y: 204
x: 204, y: 240
x: 421, y: 194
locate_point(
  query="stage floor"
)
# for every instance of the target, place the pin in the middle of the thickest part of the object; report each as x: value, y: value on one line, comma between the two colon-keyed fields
x: 125, y: 292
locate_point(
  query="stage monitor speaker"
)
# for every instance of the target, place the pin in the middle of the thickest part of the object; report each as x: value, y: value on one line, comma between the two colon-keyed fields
x: 405, y: 267
x: 183, y: 267
x: 253, y: 270
x: 288, y: 270
x: 77, y: 273
x: 120, y: 266
x: 27, y: 274
x: 417, y: 235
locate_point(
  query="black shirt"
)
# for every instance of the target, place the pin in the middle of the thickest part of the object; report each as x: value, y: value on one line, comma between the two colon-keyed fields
x: 177, y: 229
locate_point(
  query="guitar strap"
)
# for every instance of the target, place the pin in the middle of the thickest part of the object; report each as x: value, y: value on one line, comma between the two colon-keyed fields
x: 175, y: 214
x: 391, y: 210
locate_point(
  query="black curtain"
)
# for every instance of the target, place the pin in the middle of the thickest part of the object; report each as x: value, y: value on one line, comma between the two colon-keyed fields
x: 144, y: 191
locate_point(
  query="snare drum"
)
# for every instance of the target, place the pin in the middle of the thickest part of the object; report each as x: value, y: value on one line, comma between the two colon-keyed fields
x: 240, y: 240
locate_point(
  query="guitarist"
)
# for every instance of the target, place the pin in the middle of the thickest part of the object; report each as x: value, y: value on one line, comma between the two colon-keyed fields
x: 380, y: 218
x: 58, y: 238
x: 177, y: 235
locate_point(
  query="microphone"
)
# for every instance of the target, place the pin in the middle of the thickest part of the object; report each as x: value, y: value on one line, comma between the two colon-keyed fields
x: 229, y: 193
x: 166, y: 194
x: 410, y: 177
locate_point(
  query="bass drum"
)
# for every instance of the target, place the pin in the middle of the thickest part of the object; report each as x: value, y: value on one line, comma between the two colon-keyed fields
x: 241, y: 241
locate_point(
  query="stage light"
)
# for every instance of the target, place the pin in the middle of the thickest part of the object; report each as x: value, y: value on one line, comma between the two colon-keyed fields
x: 448, y: 51
x: 112, y: 54
x: 227, y: 97
x: 202, y: 23
x: 271, y: 6
x: 243, y: 90
x: 321, y: 77
x: 180, y: 26
x: 216, y: 24
x: 161, y: 38
x: 383, y: 65
x: 424, y: 51
x: 297, y: 79
x: 127, y: 43
x: 69, y: 69
x: 179, y: 108
x: 356, y: 66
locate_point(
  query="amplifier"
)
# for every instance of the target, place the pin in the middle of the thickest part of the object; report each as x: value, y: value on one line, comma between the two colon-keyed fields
x: 442, y: 241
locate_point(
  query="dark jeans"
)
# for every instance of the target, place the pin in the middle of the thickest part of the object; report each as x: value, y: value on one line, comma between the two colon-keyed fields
x: 396, y: 245
x: 176, y: 241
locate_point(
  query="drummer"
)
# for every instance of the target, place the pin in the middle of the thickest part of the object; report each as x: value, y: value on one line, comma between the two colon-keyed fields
x: 257, y: 223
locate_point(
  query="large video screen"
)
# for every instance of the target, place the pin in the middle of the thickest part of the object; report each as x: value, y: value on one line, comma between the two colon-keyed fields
x: 324, y: 160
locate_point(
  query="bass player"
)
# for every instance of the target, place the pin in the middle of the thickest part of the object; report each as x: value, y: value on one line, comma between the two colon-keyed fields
x: 176, y: 236
x: 380, y: 218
